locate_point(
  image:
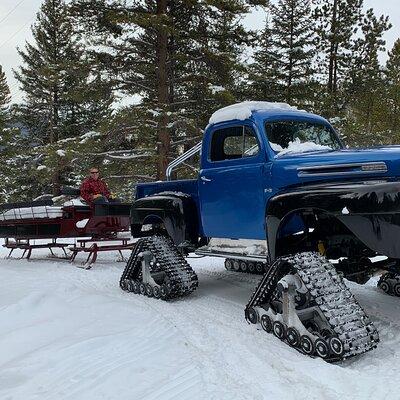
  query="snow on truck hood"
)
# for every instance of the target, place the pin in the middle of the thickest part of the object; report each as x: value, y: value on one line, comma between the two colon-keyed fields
x: 242, y: 111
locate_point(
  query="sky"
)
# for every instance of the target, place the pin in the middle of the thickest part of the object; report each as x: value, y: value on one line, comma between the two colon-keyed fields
x: 17, y: 16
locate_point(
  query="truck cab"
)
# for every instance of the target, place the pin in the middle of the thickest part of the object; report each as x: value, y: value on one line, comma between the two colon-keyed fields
x: 237, y: 177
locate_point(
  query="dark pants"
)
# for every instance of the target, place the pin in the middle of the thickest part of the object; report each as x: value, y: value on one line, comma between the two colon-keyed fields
x: 104, y: 200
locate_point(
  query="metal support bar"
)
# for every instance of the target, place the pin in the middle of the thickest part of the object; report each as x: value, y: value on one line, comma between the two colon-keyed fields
x: 182, y: 158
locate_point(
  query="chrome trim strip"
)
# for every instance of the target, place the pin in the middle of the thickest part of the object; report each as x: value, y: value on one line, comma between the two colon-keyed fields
x: 365, y: 168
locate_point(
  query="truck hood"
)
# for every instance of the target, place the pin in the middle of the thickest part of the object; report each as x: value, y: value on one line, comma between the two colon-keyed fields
x: 376, y: 162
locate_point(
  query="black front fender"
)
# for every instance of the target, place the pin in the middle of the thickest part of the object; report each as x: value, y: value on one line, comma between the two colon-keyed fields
x: 370, y: 210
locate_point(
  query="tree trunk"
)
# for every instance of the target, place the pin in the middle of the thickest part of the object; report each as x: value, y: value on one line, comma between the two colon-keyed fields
x: 332, y: 78
x: 164, y: 140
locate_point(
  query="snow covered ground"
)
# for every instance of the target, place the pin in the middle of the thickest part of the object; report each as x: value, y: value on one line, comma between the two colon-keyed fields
x: 68, y: 333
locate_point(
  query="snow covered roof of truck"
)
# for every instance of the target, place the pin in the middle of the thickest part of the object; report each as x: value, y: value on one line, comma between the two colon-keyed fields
x: 244, y: 110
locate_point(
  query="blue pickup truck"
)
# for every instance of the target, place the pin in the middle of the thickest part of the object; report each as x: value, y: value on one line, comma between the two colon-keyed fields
x: 277, y: 193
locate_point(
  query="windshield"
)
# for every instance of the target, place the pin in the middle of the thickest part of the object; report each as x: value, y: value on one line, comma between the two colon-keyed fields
x: 300, y: 136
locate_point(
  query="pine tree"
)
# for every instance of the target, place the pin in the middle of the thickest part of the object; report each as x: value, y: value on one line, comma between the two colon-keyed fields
x: 263, y: 80
x: 5, y: 98
x: 55, y: 78
x: 337, y: 22
x: 391, y: 117
x: 293, y: 40
x: 365, y: 90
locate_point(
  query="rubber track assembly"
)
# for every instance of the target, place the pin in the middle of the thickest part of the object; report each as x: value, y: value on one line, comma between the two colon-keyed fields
x: 250, y: 267
x: 347, y: 330
x: 157, y: 269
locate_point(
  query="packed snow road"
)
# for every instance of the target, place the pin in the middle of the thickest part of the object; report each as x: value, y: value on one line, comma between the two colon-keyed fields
x: 68, y: 333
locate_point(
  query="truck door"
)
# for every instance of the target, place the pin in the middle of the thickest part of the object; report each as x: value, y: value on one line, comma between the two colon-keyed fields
x: 232, y: 182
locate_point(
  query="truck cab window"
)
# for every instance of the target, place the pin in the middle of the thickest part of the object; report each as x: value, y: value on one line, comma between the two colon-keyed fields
x: 288, y: 135
x: 232, y: 143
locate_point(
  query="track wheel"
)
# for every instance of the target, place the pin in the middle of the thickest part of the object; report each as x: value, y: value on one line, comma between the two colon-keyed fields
x: 149, y: 290
x: 243, y: 266
x: 236, y: 265
x: 336, y: 346
x: 142, y: 288
x: 384, y: 286
x: 251, y: 267
x: 279, y: 330
x: 266, y: 323
x: 164, y: 291
x: 307, y: 345
x: 396, y: 289
x: 292, y: 337
x: 124, y: 284
x: 156, y: 292
x: 135, y: 287
x: 252, y: 315
x: 259, y: 268
x: 322, y: 348
x: 228, y: 265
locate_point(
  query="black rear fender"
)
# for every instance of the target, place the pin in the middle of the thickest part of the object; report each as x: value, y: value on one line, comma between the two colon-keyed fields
x: 177, y: 213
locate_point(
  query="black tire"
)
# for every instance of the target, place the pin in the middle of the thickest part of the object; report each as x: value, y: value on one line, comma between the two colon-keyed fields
x: 336, y: 346
x: 266, y: 323
x: 322, y: 348
x: 228, y: 264
x: 251, y: 267
x: 279, y: 330
x: 292, y: 337
x: 307, y: 345
x: 252, y: 315
x: 236, y: 265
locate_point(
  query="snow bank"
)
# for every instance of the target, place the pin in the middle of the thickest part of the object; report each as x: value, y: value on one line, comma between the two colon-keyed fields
x: 242, y: 111
x: 298, y: 147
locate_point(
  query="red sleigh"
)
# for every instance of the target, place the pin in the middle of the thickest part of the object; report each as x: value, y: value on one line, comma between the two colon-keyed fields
x: 97, y: 228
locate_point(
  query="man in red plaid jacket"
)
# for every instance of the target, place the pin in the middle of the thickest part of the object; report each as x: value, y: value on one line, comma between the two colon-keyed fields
x: 94, y: 190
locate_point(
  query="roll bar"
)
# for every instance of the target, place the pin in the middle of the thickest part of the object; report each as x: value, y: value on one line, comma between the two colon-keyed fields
x: 178, y: 161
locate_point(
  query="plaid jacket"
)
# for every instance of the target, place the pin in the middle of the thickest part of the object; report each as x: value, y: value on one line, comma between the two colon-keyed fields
x: 90, y: 187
